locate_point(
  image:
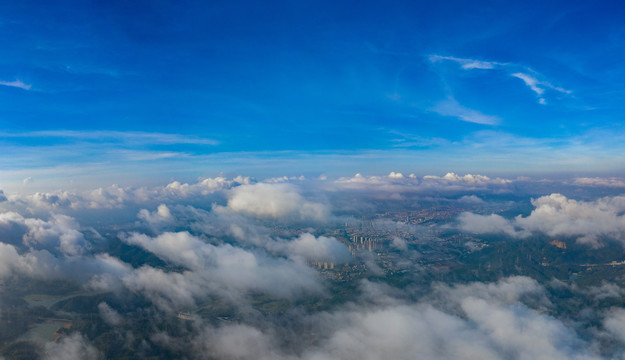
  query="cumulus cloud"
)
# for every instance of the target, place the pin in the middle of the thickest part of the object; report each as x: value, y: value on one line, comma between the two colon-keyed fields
x: 221, y: 221
x: 485, y: 321
x: 597, y: 181
x: 205, y: 186
x: 396, y: 183
x: 157, y: 219
x: 556, y: 215
x: 214, y: 268
x: 59, y: 233
x: 469, y: 179
x: 40, y: 263
x: 315, y: 248
x: 614, y: 323
x: 470, y: 199
x: 391, y: 183
x: 490, y: 321
x: 109, y: 315
x: 507, y: 291
x: 50, y: 200
x: 275, y: 201
x: 180, y: 248
x: 491, y: 332
x: 483, y: 224
x: 399, y: 243
x: 605, y: 291
x: 237, y: 341
x: 229, y: 253
x: 116, y: 197
x: 33, y: 263
x: 74, y: 346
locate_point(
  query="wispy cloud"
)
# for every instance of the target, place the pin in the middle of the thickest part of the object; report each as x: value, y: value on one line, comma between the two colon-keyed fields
x: 451, y: 107
x: 538, y: 86
x: 531, y: 82
x: 17, y: 84
x: 515, y: 70
x: 467, y: 64
x: 406, y: 140
x: 131, y: 137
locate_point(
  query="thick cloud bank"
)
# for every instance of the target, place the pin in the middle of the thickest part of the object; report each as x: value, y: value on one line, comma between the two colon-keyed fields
x: 399, y: 183
x: 297, y: 269
x: 485, y: 321
x: 274, y: 201
x: 556, y: 215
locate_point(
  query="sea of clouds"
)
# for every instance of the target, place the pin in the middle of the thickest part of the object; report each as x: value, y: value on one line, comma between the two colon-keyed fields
x: 218, y: 238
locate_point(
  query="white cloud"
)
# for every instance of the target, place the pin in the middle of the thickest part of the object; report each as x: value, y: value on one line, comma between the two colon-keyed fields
x: 531, y: 82
x: 467, y: 64
x: 236, y: 341
x: 115, y: 196
x: 74, y: 347
x: 493, y: 223
x: 230, y: 256
x: 275, y: 201
x: 399, y: 243
x: 316, y: 248
x: 60, y: 233
x: 218, y: 269
x: 469, y: 179
x: 470, y: 321
x: 514, y: 70
x: 9, y: 259
x: 556, y: 215
x: 17, y: 84
x: 470, y: 199
x: 490, y: 322
x: 51, y: 200
x: 105, y: 136
x: 597, y: 181
x: 157, y: 219
x: 205, y: 186
x: 604, y: 291
x: 538, y: 86
x: 109, y: 315
x: 452, y: 108
x: 393, y: 186
x: 222, y: 221
x: 614, y: 323
x: 506, y: 291
x: 180, y: 248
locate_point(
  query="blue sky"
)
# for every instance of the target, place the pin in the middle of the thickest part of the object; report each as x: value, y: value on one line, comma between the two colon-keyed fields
x: 114, y: 91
